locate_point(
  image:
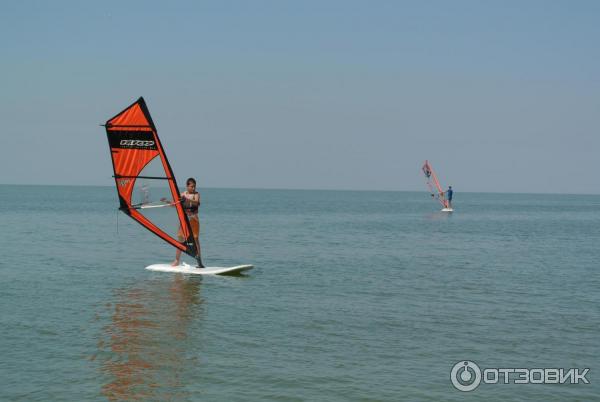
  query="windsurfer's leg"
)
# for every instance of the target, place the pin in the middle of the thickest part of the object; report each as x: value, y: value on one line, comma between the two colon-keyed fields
x: 178, y: 251
x: 177, y: 258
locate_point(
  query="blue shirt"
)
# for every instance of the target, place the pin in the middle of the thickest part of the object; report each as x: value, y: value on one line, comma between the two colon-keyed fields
x: 449, y: 194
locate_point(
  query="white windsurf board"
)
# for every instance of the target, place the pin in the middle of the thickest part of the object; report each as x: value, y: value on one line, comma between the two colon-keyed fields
x: 190, y: 269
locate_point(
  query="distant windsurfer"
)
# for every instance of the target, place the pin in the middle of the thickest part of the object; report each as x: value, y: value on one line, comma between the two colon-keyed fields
x: 190, y: 201
x: 448, y: 195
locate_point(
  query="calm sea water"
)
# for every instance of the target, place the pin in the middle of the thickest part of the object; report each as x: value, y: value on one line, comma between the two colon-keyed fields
x: 369, y: 296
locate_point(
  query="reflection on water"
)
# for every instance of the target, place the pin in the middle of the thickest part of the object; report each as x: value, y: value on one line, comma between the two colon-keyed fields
x: 438, y: 216
x: 144, y: 350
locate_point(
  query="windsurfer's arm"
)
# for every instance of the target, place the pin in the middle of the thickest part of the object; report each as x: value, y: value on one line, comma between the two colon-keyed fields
x: 171, y: 202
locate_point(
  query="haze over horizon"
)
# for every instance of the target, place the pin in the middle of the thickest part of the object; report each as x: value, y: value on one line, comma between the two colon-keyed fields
x: 499, y: 97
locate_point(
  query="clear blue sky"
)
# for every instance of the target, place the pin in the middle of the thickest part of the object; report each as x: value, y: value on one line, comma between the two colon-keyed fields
x: 499, y: 96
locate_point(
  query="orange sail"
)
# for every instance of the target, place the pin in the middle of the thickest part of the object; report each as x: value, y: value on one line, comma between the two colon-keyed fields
x: 434, y: 184
x: 145, y: 182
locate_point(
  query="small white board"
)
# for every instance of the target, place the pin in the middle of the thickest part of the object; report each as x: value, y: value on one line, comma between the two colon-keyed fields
x: 447, y: 210
x: 190, y: 269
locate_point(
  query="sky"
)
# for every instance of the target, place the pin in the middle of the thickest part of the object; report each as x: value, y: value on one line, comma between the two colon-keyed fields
x: 499, y: 96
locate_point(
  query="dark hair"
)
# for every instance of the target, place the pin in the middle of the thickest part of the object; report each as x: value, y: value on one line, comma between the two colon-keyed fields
x: 190, y: 180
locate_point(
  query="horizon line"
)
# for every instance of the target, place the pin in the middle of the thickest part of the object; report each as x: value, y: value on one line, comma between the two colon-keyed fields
x: 312, y: 189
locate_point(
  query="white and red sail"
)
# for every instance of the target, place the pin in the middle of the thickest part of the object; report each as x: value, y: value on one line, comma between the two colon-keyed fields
x: 434, y: 185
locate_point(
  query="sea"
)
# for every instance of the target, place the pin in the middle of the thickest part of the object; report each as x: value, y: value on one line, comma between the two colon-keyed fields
x: 354, y: 296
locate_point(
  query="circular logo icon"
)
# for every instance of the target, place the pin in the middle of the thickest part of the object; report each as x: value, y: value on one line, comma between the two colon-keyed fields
x: 465, y: 375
